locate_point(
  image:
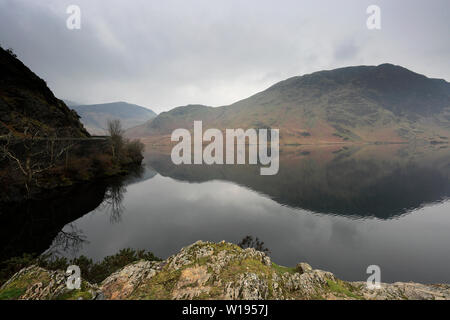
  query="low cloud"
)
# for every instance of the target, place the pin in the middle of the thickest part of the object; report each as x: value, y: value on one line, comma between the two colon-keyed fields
x: 162, y: 54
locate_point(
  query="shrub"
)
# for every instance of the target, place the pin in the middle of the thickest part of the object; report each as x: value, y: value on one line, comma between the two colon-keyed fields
x: 134, y: 150
x: 102, y: 163
x: 96, y: 272
x: 79, y: 168
x: 10, y: 266
x: 93, y: 272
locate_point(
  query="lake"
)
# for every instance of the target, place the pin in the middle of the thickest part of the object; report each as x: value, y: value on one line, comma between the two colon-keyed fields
x: 340, y: 208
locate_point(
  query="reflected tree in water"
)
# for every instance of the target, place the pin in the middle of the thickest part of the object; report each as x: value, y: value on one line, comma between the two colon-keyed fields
x: 112, y: 202
x: 69, y: 240
x: 250, y: 242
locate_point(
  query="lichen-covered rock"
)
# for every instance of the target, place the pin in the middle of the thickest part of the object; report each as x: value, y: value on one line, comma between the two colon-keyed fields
x: 405, y: 291
x: 303, y: 267
x: 193, y: 282
x: 121, y: 284
x: 206, y: 270
x: 249, y: 286
x: 35, y: 283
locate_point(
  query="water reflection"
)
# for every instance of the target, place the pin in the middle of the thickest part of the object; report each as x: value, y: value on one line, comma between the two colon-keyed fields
x: 34, y: 226
x: 112, y: 202
x: 70, y: 241
x: 360, y: 181
x: 340, y: 208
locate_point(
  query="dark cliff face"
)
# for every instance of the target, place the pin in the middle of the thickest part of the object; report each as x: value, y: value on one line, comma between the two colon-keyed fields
x: 28, y: 106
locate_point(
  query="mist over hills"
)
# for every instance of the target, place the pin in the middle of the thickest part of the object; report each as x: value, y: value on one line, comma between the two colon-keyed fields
x: 384, y: 103
x: 95, y: 116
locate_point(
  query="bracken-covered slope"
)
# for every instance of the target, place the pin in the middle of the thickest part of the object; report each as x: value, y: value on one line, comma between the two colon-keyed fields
x: 206, y: 270
x: 27, y: 106
x: 95, y: 116
x: 357, y: 104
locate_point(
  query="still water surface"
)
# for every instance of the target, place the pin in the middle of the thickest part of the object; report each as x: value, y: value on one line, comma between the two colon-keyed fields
x: 340, y: 209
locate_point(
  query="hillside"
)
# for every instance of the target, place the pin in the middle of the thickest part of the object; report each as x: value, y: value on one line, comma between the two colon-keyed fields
x: 43, y: 145
x: 94, y: 117
x: 207, y: 270
x: 356, y: 104
x: 28, y: 105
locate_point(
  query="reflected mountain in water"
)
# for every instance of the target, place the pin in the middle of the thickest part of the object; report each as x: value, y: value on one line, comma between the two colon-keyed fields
x: 383, y: 181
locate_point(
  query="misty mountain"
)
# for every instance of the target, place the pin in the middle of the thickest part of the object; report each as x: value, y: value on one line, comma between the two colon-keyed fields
x: 95, y: 116
x: 364, y: 103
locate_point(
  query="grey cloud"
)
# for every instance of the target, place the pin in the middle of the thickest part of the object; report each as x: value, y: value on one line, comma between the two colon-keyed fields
x: 162, y: 54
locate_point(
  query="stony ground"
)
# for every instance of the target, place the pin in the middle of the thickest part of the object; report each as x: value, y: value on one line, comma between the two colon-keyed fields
x: 206, y: 270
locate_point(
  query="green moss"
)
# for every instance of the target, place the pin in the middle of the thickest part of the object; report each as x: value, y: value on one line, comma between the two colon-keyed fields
x: 282, y: 269
x: 76, y: 294
x: 159, y: 287
x: 12, y: 293
x: 341, y: 288
x: 19, y: 286
x: 237, y: 267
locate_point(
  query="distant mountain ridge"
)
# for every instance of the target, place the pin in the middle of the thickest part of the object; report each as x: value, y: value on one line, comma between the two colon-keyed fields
x: 357, y: 104
x: 95, y: 116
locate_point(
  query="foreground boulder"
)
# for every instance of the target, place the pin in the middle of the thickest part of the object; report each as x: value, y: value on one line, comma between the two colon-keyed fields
x: 206, y: 270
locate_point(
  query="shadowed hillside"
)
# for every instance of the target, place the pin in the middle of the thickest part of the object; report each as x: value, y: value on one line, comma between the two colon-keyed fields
x: 27, y: 104
x: 44, y: 146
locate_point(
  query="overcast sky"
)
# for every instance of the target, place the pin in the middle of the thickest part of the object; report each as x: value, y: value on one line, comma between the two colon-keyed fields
x: 162, y: 53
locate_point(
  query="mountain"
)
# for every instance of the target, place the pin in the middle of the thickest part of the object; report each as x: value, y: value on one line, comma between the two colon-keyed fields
x: 356, y: 104
x: 95, y: 116
x: 28, y: 106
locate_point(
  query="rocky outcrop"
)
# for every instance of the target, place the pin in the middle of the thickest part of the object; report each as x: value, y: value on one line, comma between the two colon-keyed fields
x: 35, y: 283
x: 206, y: 270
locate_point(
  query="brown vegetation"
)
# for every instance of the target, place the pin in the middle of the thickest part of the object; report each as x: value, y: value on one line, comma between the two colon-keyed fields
x: 35, y: 162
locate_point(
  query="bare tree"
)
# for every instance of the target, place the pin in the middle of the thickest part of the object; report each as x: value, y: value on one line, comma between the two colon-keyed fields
x: 31, y: 157
x: 116, y: 132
